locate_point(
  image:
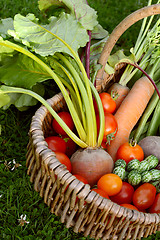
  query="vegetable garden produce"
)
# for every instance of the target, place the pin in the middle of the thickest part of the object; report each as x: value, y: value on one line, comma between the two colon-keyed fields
x: 110, y: 128
x: 110, y: 183
x: 151, y: 146
x: 80, y: 178
x: 56, y: 144
x: 91, y: 167
x: 133, y: 165
x: 144, y: 196
x: 134, y: 177
x: 60, y: 62
x: 155, y: 207
x: 120, y: 171
x: 129, y: 113
x: 62, y: 157
x: 130, y: 206
x: 125, y: 195
x: 120, y: 92
x: 100, y: 192
x: 108, y: 102
x: 66, y: 117
x: 71, y: 146
x: 120, y: 163
x: 128, y: 151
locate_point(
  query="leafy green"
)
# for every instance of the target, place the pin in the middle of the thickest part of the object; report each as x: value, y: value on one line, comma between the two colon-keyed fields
x: 40, y: 38
x: 5, y: 24
x: 84, y: 14
x: 22, y: 71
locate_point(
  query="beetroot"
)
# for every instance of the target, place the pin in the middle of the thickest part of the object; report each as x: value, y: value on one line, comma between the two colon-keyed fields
x: 91, y: 163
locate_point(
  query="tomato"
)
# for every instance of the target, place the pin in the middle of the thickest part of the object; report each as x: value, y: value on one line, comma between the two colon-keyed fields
x: 66, y: 117
x: 100, y: 192
x: 64, y: 160
x: 111, y: 127
x: 125, y: 195
x: 155, y: 208
x: 108, y: 103
x: 127, y: 152
x: 80, y: 178
x: 71, y: 146
x: 130, y: 206
x: 110, y: 183
x: 56, y: 144
x: 144, y: 196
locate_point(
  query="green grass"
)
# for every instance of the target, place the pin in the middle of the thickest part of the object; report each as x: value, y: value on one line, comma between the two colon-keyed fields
x: 17, y: 196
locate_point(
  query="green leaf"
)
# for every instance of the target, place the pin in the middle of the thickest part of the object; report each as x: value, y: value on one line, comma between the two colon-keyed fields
x: 21, y: 101
x: 4, y: 99
x: 22, y: 71
x: 45, y: 4
x: 99, y: 32
x: 84, y: 14
x: 5, y: 25
x: 42, y: 41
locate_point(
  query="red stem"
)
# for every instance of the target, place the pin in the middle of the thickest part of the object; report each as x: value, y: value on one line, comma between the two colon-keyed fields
x: 155, y: 86
x: 88, y: 55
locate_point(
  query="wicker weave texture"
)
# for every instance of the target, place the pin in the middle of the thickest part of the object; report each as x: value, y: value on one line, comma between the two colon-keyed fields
x: 73, y: 201
x: 79, y: 207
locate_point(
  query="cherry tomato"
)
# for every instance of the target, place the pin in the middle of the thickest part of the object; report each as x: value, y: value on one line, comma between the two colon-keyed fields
x: 127, y: 152
x: 66, y: 117
x: 125, y: 195
x: 111, y: 127
x: 144, y: 196
x: 80, y: 178
x: 109, y: 105
x: 64, y: 160
x: 101, y: 192
x: 155, y: 208
x: 110, y: 183
x: 71, y: 146
x: 130, y: 206
x: 56, y: 144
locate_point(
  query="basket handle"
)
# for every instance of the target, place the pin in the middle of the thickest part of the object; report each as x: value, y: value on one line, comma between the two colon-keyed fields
x: 101, y: 78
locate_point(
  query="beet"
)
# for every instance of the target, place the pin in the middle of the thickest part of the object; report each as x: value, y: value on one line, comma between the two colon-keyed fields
x: 91, y: 163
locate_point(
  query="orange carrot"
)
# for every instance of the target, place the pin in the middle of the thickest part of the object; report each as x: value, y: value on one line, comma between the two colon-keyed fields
x: 121, y: 91
x: 129, y: 112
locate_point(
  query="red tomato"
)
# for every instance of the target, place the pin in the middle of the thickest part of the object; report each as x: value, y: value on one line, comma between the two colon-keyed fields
x: 64, y: 160
x: 80, y: 178
x: 109, y: 105
x: 66, y: 117
x: 56, y: 144
x: 155, y: 208
x: 127, y: 152
x: 111, y: 127
x: 110, y: 183
x: 144, y: 196
x: 125, y: 195
x: 130, y: 206
x: 101, y: 192
x: 71, y: 146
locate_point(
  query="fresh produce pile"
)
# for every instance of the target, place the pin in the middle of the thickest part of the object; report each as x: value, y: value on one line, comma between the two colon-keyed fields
x: 108, y: 140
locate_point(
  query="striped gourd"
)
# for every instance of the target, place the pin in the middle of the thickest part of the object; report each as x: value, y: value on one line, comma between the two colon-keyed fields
x: 120, y: 171
x: 133, y: 165
x: 152, y: 160
x: 134, y: 177
x: 155, y: 174
x: 146, y: 176
x: 120, y: 163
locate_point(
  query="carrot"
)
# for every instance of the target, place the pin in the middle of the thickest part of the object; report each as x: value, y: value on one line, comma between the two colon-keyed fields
x: 121, y: 92
x: 130, y: 111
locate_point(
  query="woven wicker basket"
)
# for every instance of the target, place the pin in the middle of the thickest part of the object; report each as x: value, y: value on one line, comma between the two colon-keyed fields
x: 79, y: 207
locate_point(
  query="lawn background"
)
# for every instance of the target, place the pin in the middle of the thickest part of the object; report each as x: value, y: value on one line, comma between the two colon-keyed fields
x: 17, y: 196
